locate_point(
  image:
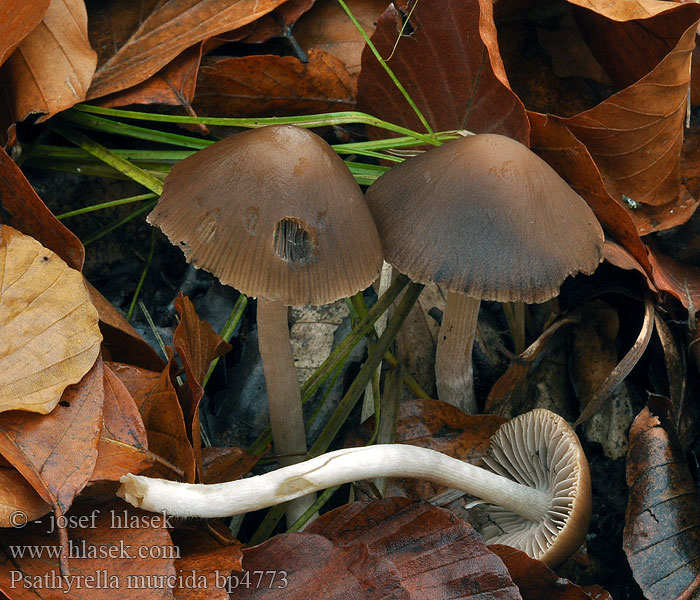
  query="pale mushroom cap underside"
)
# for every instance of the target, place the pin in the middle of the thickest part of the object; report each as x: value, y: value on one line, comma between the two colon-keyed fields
x: 485, y: 216
x: 273, y: 212
x: 540, y: 450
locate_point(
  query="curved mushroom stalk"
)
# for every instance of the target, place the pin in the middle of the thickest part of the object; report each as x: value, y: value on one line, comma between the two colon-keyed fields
x: 541, y: 486
x: 453, y: 357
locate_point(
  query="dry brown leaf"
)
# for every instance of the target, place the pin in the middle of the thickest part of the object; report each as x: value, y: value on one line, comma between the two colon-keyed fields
x: 18, y: 500
x: 197, y: 344
x: 274, y: 85
x: 122, y: 343
x: 108, y: 561
x: 160, y: 410
x: 567, y: 155
x: 21, y: 208
x: 635, y: 136
x: 52, y: 68
x: 56, y: 453
x: 679, y: 279
x: 450, y: 66
x: 134, y: 44
x: 536, y: 581
x: 662, y: 526
x: 17, y: 19
x: 49, y: 336
x: 226, y: 464
x: 173, y: 85
x: 123, y: 445
x: 327, y: 27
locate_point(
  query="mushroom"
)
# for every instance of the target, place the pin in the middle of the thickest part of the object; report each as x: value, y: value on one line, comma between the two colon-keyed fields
x: 540, y: 484
x: 275, y: 213
x: 487, y: 219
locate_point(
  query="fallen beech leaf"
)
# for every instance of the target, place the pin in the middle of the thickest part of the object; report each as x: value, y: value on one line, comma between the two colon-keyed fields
x: 621, y: 258
x: 458, y: 82
x: 21, y: 208
x: 173, y: 85
x: 536, y: 581
x: 107, y: 561
x: 197, y: 344
x: 327, y: 27
x: 123, y: 445
x: 274, y: 85
x: 226, y: 464
x: 636, y: 142
x: 662, y: 522
x: 392, y: 548
x: 200, y: 553
x: 133, y: 45
x: 160, y: 410
x: 52, y: 68
x: 679, y: 279
x: 121, y: 342
x: 675, y: 368
x: 409, y: 534
x: 17, y: 495
x: 49, y: 336
x: 555, y: 143
x: 274, y: 24
x: 56, y: 453
x: 630, y: 38
x: 17, y: 19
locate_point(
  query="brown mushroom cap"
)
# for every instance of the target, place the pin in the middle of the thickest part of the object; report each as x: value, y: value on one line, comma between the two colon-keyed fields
x: 273, y: 212
x: 484, y: 216
x: 540, y: 450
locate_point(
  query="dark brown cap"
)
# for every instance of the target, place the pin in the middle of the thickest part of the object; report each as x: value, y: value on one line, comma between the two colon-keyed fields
x: 485, y: 216
x: 539, y: 449
x: 273, y: 212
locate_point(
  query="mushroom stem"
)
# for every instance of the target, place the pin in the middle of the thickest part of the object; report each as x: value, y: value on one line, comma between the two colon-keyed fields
x: 328, y: 470
x: 283, y: 395
x: 453, y: 356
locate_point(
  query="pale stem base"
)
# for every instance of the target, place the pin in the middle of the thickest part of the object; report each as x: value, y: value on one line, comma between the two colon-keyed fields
x: 453, y: 357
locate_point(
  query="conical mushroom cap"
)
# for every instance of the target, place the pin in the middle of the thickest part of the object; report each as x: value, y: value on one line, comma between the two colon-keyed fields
x: 484, y: 216
x: 275, y: 213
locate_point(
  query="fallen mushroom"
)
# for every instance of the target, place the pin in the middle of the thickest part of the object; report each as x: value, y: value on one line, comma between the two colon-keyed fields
x: 487, y: 219
x: 540, y: 484
x: 275, y: 213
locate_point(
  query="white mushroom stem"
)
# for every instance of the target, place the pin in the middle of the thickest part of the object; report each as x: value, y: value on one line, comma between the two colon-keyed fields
x: 453, y: 356
x: 283, y: 394
x: 328, y: 470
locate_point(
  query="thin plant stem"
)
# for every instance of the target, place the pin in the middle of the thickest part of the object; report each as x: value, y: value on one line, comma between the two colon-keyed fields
x: 132, y: 215
x: 120, y: 164
x: 103, y: 205
x: 139, y: 285
x: 227, y: 331
x: 388, y: 70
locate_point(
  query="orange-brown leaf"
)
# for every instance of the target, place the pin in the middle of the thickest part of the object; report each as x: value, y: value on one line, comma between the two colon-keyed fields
x: 274, y: 85
x: 226, y: 464
x: 21, y: 208
x: 160, y: 410
x: 134, y: 561
x: 18, y: 499
x: 536, y: 581
x: 123, y: 445
x: 635, y: 136
x: 56, y: 453
x: 52, y: 67
x: 662, y: 522
x: 135, y: 44
x: 17, y: 19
